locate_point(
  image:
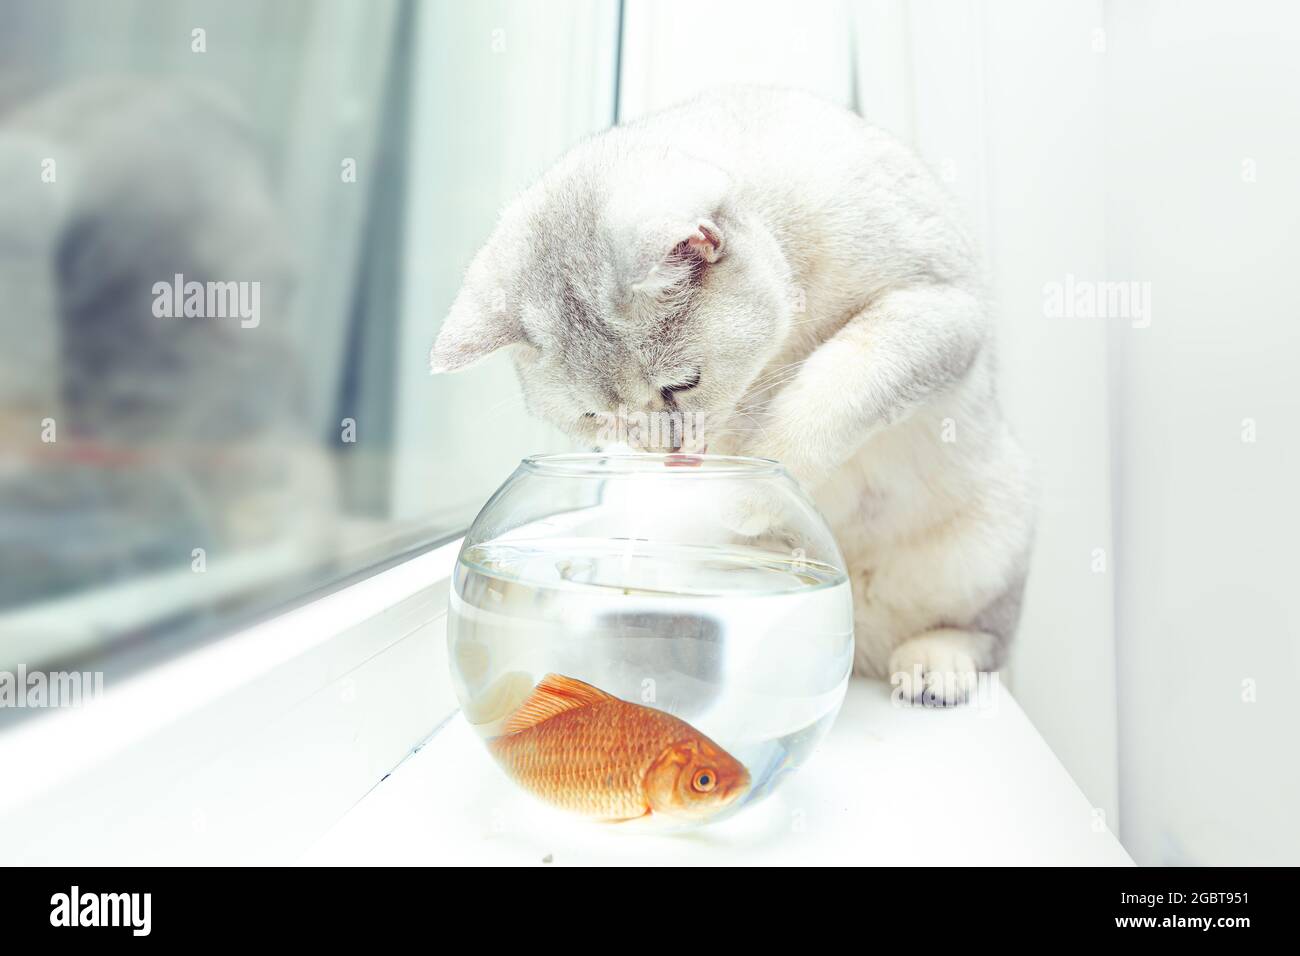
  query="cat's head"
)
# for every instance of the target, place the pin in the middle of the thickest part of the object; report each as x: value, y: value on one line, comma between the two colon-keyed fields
x: 623, y: 285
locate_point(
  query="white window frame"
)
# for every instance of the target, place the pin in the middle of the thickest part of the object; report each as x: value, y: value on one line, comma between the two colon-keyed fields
x: 246, y: 749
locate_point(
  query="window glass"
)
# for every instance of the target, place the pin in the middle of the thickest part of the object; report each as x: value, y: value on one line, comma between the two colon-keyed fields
x: 228, y: 233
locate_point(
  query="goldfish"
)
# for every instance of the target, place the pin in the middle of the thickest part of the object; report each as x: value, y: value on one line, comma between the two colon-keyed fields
x: 587, y: 751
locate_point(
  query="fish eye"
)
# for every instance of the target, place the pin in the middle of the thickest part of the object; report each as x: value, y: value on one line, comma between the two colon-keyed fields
x: 704, y: 781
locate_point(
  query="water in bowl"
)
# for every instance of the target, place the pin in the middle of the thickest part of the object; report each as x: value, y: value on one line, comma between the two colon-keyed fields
x: 751, y: 648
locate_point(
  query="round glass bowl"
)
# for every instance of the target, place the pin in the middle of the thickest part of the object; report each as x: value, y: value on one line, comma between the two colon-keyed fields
x: 650, y: 636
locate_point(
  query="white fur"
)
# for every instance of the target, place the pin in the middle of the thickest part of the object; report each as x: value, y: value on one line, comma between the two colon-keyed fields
x: 839, y: 326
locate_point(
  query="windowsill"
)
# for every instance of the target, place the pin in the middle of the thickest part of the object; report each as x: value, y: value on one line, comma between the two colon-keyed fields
x: 890, y: 786
x: 307, y: 738
x: 244, y: 750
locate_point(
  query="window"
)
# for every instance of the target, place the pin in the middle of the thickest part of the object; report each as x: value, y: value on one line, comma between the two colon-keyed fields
x: 228, y: 233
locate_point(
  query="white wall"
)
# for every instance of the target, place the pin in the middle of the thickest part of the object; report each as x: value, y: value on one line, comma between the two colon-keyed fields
x: 1043, y: 134
x: 1203, y: 202
x: 674, y: 49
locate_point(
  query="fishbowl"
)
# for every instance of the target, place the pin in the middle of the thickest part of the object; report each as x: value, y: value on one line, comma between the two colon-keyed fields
x: 657, y: 637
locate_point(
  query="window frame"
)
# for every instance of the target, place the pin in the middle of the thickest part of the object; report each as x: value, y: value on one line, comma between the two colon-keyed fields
x: 174, y: 764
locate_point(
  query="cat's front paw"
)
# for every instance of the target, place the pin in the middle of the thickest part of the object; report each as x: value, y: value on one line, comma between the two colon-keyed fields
x: 757, y: 512
x: 939, y: 668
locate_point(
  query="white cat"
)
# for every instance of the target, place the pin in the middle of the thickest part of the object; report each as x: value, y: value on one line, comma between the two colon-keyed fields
x: 773, y: 263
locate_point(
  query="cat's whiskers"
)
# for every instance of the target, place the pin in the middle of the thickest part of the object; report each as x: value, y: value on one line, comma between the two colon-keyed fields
x: 779, y: 375
x: 776, y: 383
x: 497, y: 409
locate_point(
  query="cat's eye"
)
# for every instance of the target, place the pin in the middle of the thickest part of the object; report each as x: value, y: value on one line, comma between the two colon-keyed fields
x: 688, y: 383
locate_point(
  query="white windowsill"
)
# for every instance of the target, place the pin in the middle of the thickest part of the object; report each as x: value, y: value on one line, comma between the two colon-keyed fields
x: 244, y: 750
x: 890, y: 786
x: 277, y: 744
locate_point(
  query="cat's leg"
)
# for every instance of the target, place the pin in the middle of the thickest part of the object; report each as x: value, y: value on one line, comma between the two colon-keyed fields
x: 938, y: 606
x: 941, y: 668
x: 888, y: 359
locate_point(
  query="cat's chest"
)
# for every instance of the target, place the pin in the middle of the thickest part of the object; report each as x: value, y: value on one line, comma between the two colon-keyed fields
x: 855, y: 507
x: 877, y: 496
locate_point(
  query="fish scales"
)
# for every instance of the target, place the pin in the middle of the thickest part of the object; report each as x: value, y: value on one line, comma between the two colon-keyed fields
x: 593, y: 760
x: 582, y: 749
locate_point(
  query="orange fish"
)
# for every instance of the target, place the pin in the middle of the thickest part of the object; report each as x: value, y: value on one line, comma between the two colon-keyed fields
x: 585, y: 750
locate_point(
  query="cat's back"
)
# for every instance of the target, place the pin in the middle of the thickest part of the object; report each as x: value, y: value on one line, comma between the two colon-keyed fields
x: 818, y: 172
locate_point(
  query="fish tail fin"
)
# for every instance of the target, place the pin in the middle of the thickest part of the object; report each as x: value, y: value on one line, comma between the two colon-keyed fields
x: 554, y: 694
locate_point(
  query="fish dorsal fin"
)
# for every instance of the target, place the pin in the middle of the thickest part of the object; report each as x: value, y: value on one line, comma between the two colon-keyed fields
x: 554, y: 695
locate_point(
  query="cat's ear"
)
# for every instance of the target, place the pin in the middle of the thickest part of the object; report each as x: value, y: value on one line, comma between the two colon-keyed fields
x: 705, y: 241
x: 688, y: 250
x: 480, y: 322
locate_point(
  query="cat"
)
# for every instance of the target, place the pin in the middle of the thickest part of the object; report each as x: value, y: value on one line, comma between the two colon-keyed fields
x: 771, y: 262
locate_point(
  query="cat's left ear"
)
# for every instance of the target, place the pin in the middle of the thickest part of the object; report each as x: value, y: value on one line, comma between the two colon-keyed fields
x: 706, y: 241
x: 688, y: 250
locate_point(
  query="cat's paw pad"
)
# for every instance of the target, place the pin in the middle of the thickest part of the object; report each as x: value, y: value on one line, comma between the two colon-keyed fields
x: 937, y: 670
x: 749, y: 514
